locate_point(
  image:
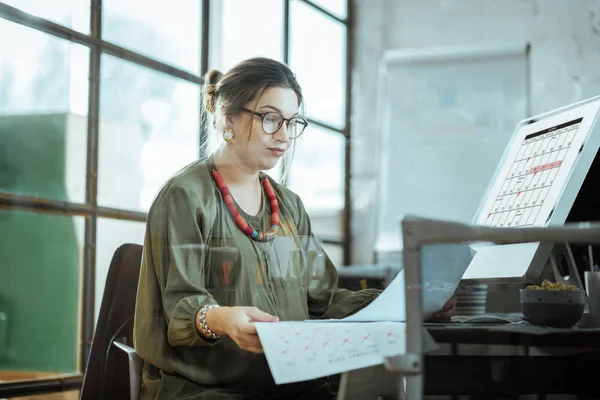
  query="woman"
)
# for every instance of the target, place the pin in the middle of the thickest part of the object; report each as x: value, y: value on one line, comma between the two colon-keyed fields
x: 226, y: 246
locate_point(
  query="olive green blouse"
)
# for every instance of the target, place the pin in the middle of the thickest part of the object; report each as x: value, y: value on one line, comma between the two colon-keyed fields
x: 194, y: 254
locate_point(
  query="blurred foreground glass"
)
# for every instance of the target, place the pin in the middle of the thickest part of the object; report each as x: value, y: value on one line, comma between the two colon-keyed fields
x: 245, y: 29
x: 43, y: 107
x: 318, y: 58
x: 442, y: 268
x: 149, y: 129
x: 39, y: 294
x: 169, y: 32
x: 112, y: 234
x: 74, y: 14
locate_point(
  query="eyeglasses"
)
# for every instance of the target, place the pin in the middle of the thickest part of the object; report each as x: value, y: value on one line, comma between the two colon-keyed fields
x: 272, y: 122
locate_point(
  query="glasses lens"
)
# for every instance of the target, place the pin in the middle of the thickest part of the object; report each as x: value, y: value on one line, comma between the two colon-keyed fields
x: 296, y: 127
x: 272, y: 122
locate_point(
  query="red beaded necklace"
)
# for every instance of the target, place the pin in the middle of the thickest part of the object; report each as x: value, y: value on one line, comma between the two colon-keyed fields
x: 241, y: 223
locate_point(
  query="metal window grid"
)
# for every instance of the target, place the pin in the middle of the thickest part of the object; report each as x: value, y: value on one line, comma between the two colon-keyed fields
x: 90, y: 209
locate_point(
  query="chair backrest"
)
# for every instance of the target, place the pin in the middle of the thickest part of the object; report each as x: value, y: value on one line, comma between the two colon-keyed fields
x: 105, y: 377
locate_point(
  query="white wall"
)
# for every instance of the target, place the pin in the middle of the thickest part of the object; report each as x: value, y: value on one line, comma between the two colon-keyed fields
x: 565, y: 64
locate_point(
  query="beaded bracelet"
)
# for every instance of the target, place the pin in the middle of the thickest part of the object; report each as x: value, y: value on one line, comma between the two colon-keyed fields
x: 204, y: 329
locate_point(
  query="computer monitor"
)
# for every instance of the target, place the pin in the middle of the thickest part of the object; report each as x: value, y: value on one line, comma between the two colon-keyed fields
x: 545, y: 177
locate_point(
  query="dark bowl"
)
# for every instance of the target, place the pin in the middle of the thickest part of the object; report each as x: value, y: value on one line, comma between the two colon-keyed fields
x: 554, y: 308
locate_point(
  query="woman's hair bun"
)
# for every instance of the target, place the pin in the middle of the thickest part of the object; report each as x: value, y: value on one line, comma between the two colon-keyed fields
x: 213, y: 76
x: 211, y: 79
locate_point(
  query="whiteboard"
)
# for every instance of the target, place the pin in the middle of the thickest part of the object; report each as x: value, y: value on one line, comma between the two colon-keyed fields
x: 445, y: 116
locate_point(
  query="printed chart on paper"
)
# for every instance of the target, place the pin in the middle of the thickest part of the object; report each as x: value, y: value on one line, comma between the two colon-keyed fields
x: 299, y: 351
x: 532, y: 174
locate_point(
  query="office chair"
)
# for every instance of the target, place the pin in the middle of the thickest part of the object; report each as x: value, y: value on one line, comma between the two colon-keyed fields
x: 114, y: 369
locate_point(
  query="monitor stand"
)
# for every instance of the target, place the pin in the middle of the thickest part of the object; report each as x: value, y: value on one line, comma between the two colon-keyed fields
x: 563, y: 266
x: 503, y: 298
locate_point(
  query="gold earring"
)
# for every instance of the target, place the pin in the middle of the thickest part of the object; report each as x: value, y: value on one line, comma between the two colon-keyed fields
x: 228, y: 135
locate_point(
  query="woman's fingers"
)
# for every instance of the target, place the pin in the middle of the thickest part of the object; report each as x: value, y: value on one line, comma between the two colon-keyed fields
x: 260, y: 316
x: 246, y: 336
x: 257, y: 350
x: 247, y: 329
x: 250, y: 341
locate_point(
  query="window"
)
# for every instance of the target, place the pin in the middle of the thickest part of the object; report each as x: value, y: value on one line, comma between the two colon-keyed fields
x: 74, y: 14
x: 42, y: 120
x: 246, y: 29
x: 147, y: 129
x: 41, y: 74
x: 39, y: 293
x: 147, y: 132
x: 336, y: 7
x: 167, y: 31
x: 317, y: 172
x: 318, y: 57
x: 317, y: 176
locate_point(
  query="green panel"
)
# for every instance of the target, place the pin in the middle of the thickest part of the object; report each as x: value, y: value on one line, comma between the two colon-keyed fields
x: 40, y: 263
x: 32, y: 155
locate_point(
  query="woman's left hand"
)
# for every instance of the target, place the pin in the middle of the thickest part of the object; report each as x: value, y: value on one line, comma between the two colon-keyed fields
x: 446, y: 313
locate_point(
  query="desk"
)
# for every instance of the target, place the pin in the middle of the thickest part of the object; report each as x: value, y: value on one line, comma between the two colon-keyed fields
x: 514, y: 334
x: 543, y: 360
x: 494, y: 360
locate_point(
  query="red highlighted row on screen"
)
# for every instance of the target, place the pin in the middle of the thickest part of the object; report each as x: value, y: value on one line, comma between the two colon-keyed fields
x: 545, y: 166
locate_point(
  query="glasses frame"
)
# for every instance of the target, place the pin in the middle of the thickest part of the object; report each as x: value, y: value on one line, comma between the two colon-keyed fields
x: 283, y: 119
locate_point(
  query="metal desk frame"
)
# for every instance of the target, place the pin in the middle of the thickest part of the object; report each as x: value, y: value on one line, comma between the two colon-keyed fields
x: 417, y: 232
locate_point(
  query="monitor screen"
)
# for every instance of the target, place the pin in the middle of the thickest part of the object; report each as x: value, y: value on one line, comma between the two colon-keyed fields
x: 535, y: 171
x: 536, y: 183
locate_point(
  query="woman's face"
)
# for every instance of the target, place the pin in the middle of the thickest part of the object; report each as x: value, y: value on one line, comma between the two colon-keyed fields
x: 256, y: 149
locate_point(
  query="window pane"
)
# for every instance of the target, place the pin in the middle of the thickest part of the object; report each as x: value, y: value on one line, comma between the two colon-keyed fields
x: 111, y: 235
x: 158, y: 29
x: 39, y: 294
x: 148, y: 131
x: 318, y: 58
x: 317, y: 176
x: 74, y: 14
x: 337, y: 7
x: 245, y: 29
x: 43, y: 102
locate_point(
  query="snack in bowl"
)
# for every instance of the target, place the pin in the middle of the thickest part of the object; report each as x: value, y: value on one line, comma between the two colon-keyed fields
x: 552, y: 304
x: 547, y: 285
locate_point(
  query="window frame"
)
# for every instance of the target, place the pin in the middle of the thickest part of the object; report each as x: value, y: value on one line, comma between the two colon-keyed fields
x: 90, y: 209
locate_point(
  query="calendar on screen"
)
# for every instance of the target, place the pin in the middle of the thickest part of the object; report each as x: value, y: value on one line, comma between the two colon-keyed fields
x: 532, y: 174
x: 536, y: 168
x: 537, y: 182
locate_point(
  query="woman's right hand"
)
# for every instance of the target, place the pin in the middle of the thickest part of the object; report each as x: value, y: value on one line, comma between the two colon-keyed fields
x: 238, y: 324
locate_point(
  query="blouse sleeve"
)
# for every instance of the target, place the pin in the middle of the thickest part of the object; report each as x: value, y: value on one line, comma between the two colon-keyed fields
x: 325, y: 299
x: 178, y: 243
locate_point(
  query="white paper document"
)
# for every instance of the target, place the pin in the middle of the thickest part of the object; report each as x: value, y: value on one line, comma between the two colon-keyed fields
x: 303, y: 350
x: 390, y: 305
x: 300, y: 351
x: 443, y: 266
